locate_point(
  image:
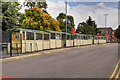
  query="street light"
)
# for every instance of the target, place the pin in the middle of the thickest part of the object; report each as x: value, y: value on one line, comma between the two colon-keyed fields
x: 66, y: 22
x: 105, y: 21
x: 66, y: 16
x: 106, y: 24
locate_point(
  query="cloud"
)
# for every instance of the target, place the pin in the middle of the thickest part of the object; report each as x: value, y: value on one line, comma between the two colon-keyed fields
x: 81, y: 12
x: 54, y: 8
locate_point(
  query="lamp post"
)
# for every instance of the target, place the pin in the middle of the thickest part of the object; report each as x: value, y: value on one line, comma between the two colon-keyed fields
x: 106, y: 24
x: 105, y: 19
x: 66, y: 22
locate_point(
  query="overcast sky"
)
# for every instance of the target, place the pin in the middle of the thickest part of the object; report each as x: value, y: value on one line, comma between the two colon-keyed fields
x: 81, y: 10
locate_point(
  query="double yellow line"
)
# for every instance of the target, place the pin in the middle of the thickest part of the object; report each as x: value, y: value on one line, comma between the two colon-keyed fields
x: 116, y: 68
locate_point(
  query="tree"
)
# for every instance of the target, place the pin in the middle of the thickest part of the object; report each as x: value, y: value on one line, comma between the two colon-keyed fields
x: 10, y: 15
x: 41, y: 5
x: 37, y: 20
x: 62, y: 20
x: 83, y: 28
x: 93, y: 26
x: 21, y: 18
x: 117, y: 32
x: 88, y: 27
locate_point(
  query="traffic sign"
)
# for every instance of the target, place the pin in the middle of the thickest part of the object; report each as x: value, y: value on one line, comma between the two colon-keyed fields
x: 73, y: 31
x: 98, y: 34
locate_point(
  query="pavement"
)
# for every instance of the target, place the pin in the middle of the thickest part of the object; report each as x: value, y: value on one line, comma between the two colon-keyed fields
x: 94, y: 61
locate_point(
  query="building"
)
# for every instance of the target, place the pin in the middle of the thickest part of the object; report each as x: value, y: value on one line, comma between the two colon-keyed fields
x: 110, y: 33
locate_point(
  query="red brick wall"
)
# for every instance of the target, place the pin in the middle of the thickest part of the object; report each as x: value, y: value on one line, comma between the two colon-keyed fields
x: 111, y: 37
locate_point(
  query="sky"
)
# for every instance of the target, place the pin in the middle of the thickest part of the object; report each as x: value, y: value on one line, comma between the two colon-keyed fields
x: 81, y: 10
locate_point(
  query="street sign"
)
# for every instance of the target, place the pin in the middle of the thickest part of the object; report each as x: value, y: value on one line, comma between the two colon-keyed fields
x: 98, y: 34
x: 73, y: 31
x: 108, y: 35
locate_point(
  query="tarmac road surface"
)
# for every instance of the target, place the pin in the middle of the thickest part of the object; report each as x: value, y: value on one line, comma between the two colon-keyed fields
x: 97, y: 61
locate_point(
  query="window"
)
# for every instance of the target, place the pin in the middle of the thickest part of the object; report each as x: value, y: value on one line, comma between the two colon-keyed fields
x: 75, y: 37
x: 52, y: 35
x: 95, y: 38
x: 82, y: 37
x: 86, y: 37
x: 112, y: 32
x: 46, y: 36
x: 58, y: 36
x: 38, y: 36
x: 63, y: 36
x: 30, y: 36
x: 68, y: 37
x: 79, y: 37
x: 89, y: 37
x: 72, y: 37
x: 23, y: 35
x: 107, y: 32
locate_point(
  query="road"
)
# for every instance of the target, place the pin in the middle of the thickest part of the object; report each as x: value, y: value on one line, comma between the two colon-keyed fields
x: 97, y: 61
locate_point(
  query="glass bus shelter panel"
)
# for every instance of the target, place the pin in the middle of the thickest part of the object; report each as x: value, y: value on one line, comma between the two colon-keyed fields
x: 59, y: 36
x: 38, y: 36
x: 53, y: 36
x: 63, y: 36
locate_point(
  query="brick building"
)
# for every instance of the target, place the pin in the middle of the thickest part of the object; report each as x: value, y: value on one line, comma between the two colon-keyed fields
x: 110, y: 33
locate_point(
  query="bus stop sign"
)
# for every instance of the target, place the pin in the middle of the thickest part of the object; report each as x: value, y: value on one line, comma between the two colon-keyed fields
x: 98, y: 34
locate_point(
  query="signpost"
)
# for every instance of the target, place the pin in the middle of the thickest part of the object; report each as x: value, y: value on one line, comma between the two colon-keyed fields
x: 98, y: 37
x: 73, y: 32
x: 21, y: 40
x: 108, y: 37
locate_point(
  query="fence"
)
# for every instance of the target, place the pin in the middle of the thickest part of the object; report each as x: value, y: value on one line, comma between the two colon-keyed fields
x: 17, y: 49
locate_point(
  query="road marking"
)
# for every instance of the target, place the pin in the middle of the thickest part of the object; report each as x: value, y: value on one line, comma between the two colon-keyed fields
x: 115, y: 70
x: 117, y: 76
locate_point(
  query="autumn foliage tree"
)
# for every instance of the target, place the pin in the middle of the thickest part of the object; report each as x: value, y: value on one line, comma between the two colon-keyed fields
x: 37, y: 20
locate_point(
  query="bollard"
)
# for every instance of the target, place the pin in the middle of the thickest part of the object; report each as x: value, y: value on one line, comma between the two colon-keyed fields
x: 10, y: 44
x: 17, y: 48
x: 36, y: 47
x: 25, y: 47
x: 31, y: 47
x: 7, y: 48
x: 10, y: 49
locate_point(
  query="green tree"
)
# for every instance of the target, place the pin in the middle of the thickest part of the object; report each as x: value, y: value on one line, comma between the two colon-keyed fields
x: 41, y: 5
x: 83, y: 28
x: 10, y: 15
x: 21, y: 18
x: 117, y: 33
x: 62, y: 20
x: 92, y: 26
x: 88, y: 27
